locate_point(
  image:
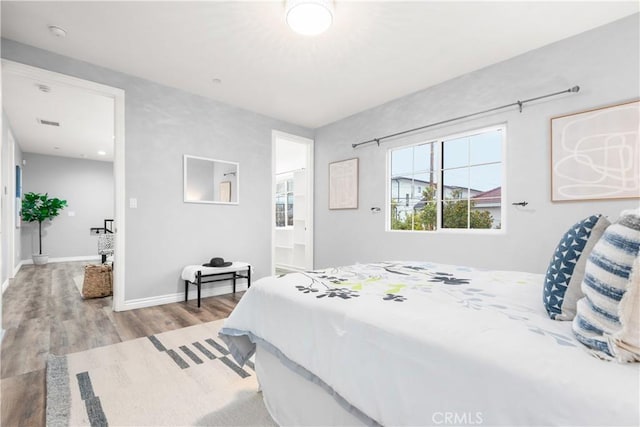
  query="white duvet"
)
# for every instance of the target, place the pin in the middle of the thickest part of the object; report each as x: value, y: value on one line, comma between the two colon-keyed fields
x: 414, y: 343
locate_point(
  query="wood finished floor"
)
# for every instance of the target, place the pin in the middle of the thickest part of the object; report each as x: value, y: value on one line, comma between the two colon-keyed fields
x: 43, y: 313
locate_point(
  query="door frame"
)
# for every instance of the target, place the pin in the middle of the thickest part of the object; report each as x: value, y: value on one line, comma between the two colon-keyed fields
x: 275, y: 136
x: 117, y: 95
x: 12, y: 268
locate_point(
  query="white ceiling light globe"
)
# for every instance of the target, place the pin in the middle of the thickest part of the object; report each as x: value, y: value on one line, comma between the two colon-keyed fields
x: 309, y: 17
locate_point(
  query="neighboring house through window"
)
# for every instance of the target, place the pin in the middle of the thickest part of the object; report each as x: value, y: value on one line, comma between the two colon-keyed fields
x: 449, y: 183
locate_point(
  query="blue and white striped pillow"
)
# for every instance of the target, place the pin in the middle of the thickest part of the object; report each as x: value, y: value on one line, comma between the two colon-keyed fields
x: 605, y: 282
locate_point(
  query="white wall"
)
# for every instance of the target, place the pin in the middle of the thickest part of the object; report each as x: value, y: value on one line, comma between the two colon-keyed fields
x: 10, y: 155
x: 290, y: 155
x: 604, y: 62
x: 18, y: 232
x: 86, y: 185
x: 8, y: 191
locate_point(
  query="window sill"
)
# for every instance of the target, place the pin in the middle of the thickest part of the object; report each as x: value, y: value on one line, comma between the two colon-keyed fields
x: 479, y: 231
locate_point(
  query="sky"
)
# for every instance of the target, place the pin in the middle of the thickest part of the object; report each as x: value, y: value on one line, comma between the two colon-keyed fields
x: 482, y: 151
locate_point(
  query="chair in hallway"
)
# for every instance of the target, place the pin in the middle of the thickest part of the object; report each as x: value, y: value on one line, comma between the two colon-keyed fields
x: 105, y: 245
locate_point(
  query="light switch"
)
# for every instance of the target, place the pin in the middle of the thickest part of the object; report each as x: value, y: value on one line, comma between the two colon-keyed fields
x: 133, y: 203
x: 71, y: 213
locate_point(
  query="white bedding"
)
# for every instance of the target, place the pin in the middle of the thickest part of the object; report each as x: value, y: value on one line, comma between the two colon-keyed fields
x: 414, y: 343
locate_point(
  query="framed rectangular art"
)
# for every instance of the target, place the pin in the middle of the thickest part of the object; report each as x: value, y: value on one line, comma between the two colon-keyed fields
x: 225, y: 191
x: 18, y: 181
x: 595, y: 154
x: 343, y: 184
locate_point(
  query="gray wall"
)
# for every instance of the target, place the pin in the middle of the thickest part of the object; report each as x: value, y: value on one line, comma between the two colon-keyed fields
x: 86, y: 185
x: 162, y: 124
x: 604, y: 62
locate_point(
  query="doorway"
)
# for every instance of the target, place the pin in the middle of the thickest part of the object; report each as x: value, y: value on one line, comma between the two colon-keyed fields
x: 46, y: 77
x: 291, y: 203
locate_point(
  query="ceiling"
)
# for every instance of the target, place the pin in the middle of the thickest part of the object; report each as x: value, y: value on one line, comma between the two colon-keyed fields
x: 374, y: 52
x: 86, y: 119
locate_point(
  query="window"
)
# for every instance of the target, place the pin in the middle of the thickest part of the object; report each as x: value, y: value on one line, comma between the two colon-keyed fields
x: 284, y: 201
x: 449, y: 183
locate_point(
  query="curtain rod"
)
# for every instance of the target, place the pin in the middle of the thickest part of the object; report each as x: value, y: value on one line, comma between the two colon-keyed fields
x: 518, y: 103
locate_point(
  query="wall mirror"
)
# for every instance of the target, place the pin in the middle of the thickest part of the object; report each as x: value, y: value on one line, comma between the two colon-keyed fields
x: 211, y: 181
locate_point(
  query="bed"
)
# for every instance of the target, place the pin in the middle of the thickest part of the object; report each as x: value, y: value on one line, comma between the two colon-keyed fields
x: 417, y: 343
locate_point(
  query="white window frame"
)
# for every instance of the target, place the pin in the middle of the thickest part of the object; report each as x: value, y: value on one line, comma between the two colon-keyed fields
x: 439, y: 141
x: 284, y: 177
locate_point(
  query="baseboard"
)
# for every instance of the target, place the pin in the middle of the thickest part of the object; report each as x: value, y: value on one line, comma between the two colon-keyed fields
x: 65, y: 259
x: 17, y: 268
x: 5, y: 285
x: 177, y: 297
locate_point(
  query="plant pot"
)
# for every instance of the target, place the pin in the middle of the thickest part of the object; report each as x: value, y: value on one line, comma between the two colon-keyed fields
x: 40, y: 259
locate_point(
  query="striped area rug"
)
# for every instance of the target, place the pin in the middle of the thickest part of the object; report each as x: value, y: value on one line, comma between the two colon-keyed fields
x: 181, y: 377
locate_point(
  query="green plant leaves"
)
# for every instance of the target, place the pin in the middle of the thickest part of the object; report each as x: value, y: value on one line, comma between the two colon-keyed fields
x: 38, y: 207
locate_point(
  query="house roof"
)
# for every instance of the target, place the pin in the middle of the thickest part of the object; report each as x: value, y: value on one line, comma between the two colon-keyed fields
x: 492, y: 196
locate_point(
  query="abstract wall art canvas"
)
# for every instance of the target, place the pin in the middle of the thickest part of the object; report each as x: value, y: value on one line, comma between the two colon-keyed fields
x: 595, y: 154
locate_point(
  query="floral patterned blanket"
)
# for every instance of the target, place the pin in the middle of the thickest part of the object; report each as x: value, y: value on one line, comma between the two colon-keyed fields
x: 402, y: 342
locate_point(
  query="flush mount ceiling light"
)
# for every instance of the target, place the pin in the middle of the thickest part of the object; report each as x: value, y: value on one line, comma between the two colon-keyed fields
x: 57, y: 31
x: 309, y: 17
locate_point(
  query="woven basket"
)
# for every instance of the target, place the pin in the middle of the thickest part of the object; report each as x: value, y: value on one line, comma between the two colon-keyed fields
x: 98, y: 281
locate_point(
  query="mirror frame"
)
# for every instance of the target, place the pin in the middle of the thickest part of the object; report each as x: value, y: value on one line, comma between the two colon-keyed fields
x: 186, y: 157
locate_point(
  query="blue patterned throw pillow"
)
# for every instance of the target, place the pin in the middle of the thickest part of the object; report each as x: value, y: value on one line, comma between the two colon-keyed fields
x: 605, y: 282
x: 566, y: 269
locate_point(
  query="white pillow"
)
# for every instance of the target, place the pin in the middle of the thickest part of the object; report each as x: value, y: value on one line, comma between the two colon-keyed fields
x: 626, y: 342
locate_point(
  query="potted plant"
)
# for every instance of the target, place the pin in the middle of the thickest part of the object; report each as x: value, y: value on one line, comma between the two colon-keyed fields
x: 39, y: 207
